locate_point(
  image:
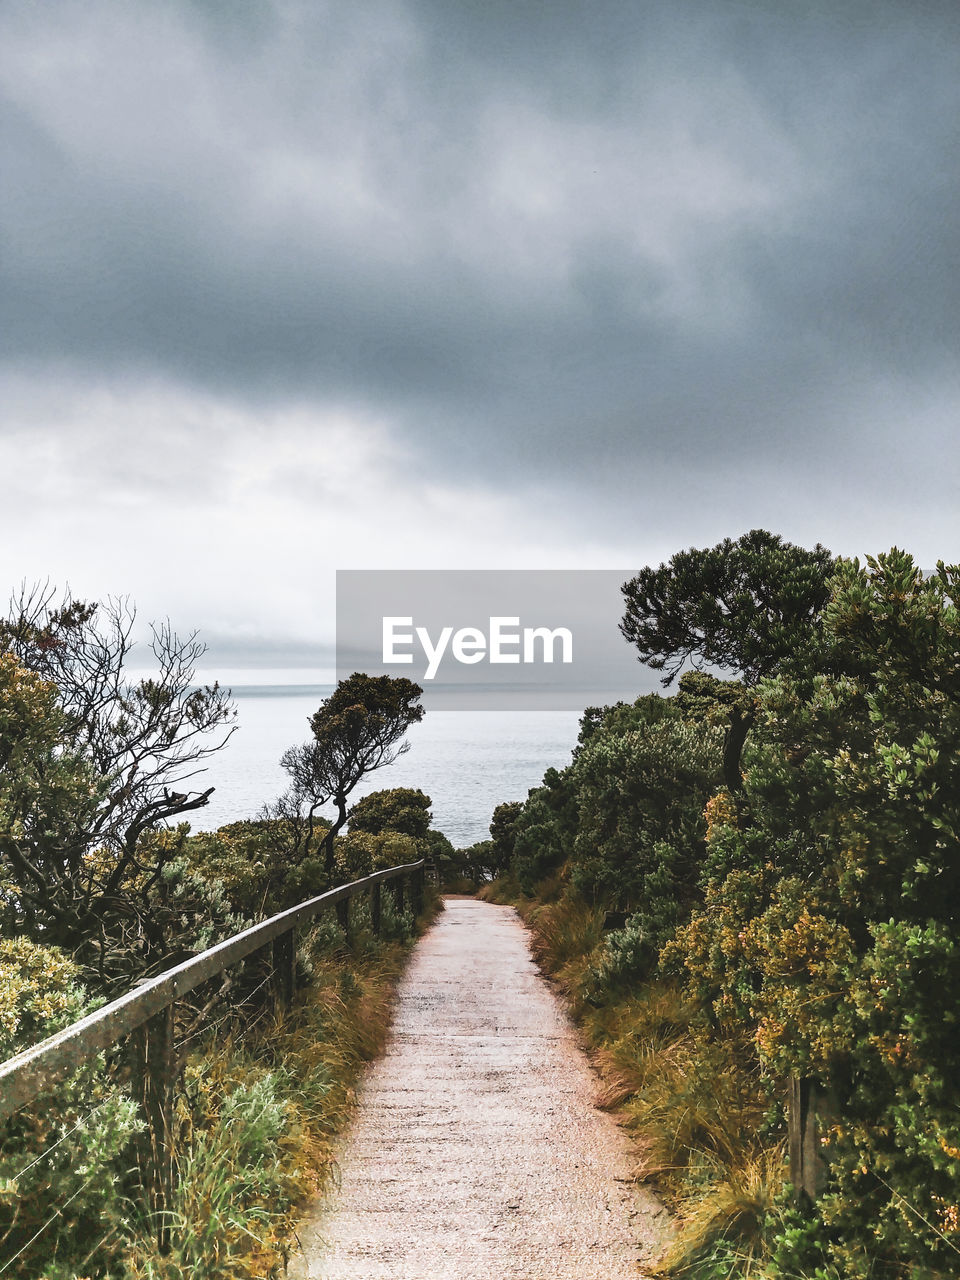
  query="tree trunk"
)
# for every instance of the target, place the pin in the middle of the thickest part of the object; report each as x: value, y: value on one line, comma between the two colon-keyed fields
x: 736, y: 736
x: 341, y: 803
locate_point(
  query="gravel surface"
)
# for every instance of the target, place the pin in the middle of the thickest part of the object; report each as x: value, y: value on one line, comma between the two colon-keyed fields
x: 477, y: 1152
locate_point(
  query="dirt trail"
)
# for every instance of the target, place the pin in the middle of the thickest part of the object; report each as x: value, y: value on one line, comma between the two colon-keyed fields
x: 477, y: 1153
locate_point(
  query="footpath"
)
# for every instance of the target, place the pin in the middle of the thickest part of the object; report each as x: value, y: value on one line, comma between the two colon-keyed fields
x: 477, y: 1152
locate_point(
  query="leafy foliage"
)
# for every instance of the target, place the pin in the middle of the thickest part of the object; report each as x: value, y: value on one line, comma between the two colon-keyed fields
x: 749, y: 606
x: 401, y: 809
x: 829, y: 925
x: 360, y: 852
x: 65, y: 1164
x: 90, y: 765
x: 640, y: 825
x: 359, y: 728
x: 503, y: 833
x: 625, y: 818
x: 250, y: 863
x: 544, y: 832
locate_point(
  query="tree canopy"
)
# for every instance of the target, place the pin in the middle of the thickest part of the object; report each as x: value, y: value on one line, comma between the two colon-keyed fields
x: 359, y: 728
x: 91, y: 762
x: 750, y: 607
x: 401, y: 809
x: 747, y: 607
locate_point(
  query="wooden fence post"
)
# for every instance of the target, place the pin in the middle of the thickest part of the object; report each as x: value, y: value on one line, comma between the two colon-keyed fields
x: 343, y: 917
x: 806, y: 1104
x: 398, y: 894
x: 285, y: 966
x: 155, y: 1080
x: 416, y: 893
x: 375, y: 908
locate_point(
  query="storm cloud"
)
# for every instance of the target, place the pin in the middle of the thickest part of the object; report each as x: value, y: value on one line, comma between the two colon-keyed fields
x: 653, y: 273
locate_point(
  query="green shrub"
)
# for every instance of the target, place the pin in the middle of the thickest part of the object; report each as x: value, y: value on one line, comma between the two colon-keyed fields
x: 401, y: 809
x: 544, y: 830
x: 66, y: 1162
x: 830, y: 916
x: 640, y: 823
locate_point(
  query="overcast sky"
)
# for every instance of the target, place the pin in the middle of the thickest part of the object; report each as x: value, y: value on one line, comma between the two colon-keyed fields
x: 291, y: 286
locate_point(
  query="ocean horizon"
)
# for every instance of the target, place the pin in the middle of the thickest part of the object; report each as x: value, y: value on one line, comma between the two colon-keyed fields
x: 468, y: 762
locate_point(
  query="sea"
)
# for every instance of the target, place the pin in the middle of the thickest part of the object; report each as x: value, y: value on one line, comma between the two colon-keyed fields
x: 468, y: 762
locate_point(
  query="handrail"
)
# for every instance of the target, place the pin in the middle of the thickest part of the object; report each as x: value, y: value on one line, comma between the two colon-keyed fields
x: 35, y: 1069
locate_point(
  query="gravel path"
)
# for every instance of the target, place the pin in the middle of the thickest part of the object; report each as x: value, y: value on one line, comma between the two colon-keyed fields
x: 477, y: 1153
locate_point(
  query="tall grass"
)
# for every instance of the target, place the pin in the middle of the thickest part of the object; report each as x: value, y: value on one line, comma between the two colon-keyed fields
x: 703, y: 1119
x: 257, y: 1115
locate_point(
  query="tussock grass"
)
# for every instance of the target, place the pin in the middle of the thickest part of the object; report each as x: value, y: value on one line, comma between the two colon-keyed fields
x: 566, y: 936
x: 257, y: 1115
x: 695, y: 1101
x: 565, y: 932
x: 701, y: 1115
x: 505, y: 891
x: 722, y: 1225
x: 639, y: 1041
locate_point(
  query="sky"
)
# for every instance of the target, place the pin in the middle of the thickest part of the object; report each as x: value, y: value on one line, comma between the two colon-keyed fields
x: 292, y: 286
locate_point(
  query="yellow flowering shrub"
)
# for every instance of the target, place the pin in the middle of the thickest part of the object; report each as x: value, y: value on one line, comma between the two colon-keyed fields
x: 64, y: 1159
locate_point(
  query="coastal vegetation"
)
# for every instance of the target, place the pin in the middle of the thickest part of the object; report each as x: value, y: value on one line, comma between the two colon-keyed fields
x: 92, y: 763
x: 719, y: 934
x: 749, y: 880
x: 101, y: 885
x: 358, y: 729
x: 262, y: 1095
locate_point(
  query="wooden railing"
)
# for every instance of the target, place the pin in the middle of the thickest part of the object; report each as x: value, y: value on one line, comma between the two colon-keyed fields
x: 147, y: 1013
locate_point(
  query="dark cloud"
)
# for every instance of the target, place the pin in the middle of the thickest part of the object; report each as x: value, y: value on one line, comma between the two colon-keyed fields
x: 546, y: 241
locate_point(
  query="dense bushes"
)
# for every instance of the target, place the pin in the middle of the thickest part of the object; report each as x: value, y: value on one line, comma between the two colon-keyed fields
x: 387, y: 829
x: 626, y: 817
x: 640, y: 800
x: 89, y: 904
x: 544, y: 831
x: 400, y: 809
x: 65, y: 1165
x: 830, y: 921
x: 812, y: 918
x: 254, y: 863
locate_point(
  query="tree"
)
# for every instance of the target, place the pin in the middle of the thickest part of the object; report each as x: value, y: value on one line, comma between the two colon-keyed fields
x: 359, y: 728
x: 829, y: 928
x: 91, y: 762
x: 641, y: 792
x: 401, y: 809
x: 750, y: 607
x: 503, y: 832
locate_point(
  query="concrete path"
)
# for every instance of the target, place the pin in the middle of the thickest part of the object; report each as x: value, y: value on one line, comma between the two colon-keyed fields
x: 477, y: 1153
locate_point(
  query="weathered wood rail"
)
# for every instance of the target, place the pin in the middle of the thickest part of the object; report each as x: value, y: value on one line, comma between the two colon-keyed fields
x: 147, y: 1014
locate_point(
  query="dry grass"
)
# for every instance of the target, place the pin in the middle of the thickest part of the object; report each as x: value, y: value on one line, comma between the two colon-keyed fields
x: 639, y: 1041
x: 696, y: 1107
x: 258, y: 1116
x: 565, y: 938
x: 732, y: 1210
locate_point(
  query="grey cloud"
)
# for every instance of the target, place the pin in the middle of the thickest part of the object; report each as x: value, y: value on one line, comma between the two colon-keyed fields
x: 545, y: 240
